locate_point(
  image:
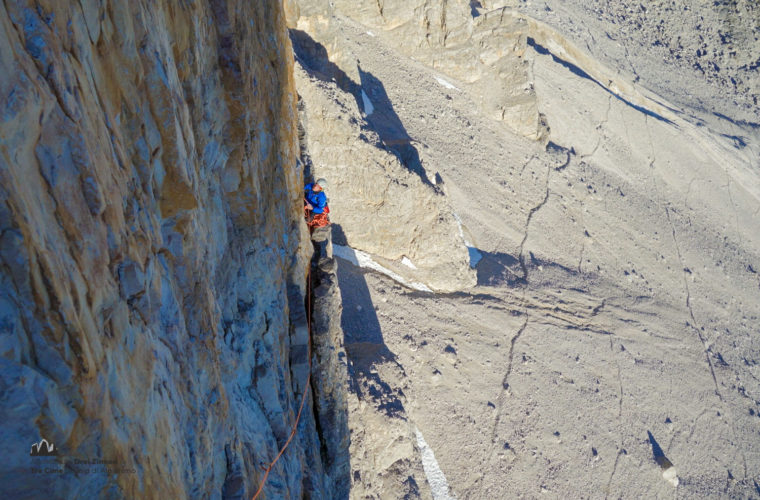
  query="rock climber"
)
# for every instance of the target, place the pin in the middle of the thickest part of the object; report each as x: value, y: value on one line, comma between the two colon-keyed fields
x: 315, y: 204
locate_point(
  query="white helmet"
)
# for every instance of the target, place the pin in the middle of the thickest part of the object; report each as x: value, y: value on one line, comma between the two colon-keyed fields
x: 322, y: 183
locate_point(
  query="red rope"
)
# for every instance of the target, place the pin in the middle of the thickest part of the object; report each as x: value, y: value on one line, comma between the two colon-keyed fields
x: 303, y: 397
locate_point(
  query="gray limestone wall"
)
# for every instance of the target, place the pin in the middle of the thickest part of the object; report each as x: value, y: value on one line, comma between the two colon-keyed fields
x: 152, y: 253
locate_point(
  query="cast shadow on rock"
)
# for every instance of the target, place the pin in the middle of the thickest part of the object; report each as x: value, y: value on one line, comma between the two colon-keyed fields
x: 386, y: 122
x: 495, y: 269
x: 314, y: 58
x: 658, y: 454
x: 363, y: 338
x: 501, y: 269
x: 382, y: 118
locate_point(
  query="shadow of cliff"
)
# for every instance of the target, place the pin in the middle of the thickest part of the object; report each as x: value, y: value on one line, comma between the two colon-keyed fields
x: 386, y: 122
x: 498, y: 269
x: 501, y: 269
x: 313, y: 56
x: 363, y: 338
x: 370, y: 96
x: 579, y: 72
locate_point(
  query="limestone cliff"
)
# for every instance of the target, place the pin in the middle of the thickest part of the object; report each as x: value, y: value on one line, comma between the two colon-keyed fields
x: 152, y: 282
x: 484, y: 54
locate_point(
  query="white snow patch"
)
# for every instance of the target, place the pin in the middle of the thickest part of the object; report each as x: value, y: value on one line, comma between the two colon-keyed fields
x: 446, y: 84
x: 475, y: 254
x: 439, y: 487
x: 431, y: 177
x: 408, y: 263
x: 361, y: 259
x: 368, y: 107
x: 671, y: 475
x: 370, y: 33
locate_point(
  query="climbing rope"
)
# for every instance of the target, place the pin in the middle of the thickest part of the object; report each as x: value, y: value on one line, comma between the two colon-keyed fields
x: 303, y: 397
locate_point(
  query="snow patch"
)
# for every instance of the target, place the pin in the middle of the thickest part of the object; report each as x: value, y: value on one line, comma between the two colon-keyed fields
x: 361, y: 259
x: 446, y: 84
x: 439, y: 487
x: 408, y: 263
x: 370, y: 33
x: 368, y: 107
x: 474, y: 253
x: 671, y: 475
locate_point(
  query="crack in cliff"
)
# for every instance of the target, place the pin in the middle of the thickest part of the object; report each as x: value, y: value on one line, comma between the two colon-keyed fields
x: 600, y: 126
x: 380, y: 8
x: 532, y: 212
x: 733, y: 206
x: 666, y: 207
x: 504, y: 391
x: 688, y: 193
x: 620, y: 434
x: 510, y: 358
x: 693, y: 324
x: 505, y: 379
x: 525, y: 165
x: 586, y: 234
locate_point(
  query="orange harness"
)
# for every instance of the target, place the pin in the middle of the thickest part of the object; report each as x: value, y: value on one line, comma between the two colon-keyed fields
x: 316, y: 220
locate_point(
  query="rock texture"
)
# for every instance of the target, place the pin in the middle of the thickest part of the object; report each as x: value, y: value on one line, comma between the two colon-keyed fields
x: 152, y: 285
x: 702, y: 55
x: 381, y: 205
x: 484, y: 54
x: 610, y: 346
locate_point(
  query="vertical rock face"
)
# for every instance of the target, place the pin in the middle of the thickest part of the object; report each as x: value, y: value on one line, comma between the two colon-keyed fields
x: 382, y: 207
x: 482, y: 52
x: 152, y: 279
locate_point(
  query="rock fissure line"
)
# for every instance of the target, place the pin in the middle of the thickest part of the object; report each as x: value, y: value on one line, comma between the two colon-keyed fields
x: 614, y: 470
x: 620, y: 434
x: 578, y: 71
x: 599, y: 129
x: 505, y: 379
x: 693, y: 324
x: 583, y: 164
x: 380, y: 8
x: 525, y: 165
x: 532, y: 212
x: 688, y: 192
x: 503, y: 392
x: 733, y: 206
x: 521, y: 330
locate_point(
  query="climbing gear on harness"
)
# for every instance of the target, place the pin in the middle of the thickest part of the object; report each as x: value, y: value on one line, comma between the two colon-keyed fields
x: 317, y: 220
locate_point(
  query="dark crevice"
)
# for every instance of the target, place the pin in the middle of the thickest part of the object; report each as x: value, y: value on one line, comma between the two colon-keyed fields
x: 576, y: 70
x: 739, y: 123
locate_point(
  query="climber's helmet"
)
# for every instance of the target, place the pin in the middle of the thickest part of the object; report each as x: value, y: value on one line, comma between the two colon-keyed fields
x: 322, y: 183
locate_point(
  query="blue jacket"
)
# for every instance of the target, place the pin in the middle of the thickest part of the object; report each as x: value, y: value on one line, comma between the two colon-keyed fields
x: 317, y: 200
